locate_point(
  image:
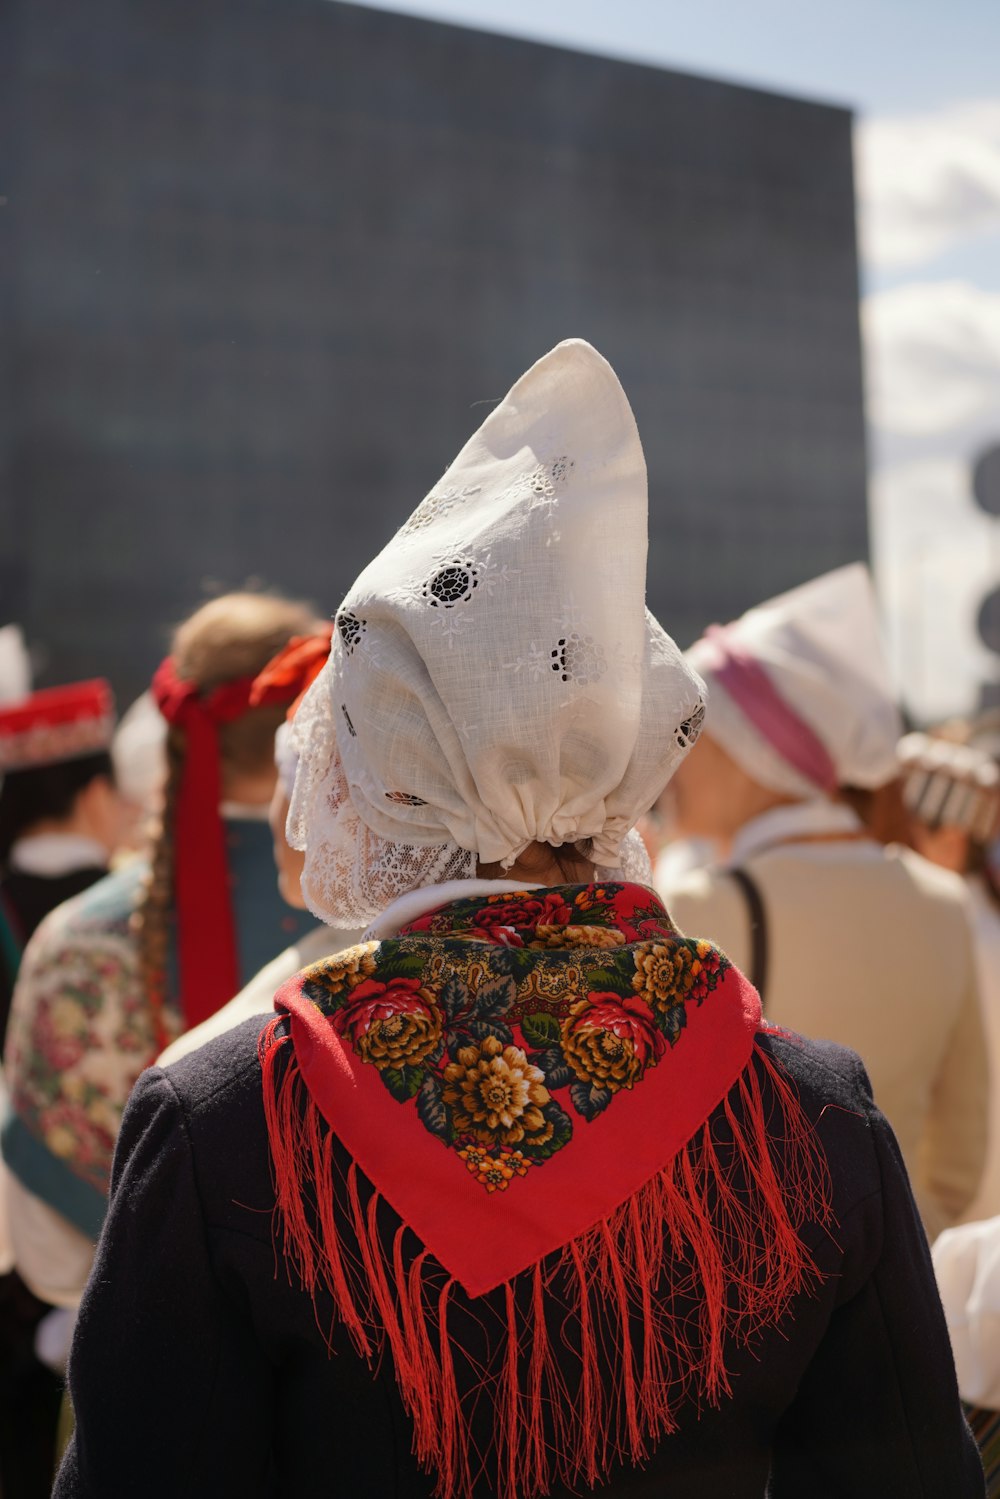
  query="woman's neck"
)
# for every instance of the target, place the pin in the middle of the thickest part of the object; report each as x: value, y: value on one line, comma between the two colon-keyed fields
x: 538, y: 865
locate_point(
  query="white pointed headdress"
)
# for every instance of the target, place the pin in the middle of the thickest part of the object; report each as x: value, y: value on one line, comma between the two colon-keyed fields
x: 799, y: 691
x: 495, y: 677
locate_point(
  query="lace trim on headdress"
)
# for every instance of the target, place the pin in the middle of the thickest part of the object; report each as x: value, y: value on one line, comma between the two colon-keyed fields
x: 634, y: 863
x: 351, y: 873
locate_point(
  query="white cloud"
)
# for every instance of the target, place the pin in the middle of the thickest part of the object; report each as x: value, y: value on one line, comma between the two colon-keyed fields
x: 932, y: 355
x: 926, y: 182
x: 929, y: 184
x: 934, y: 556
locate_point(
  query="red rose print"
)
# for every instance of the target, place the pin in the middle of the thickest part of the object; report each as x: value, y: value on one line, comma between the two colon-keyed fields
x: 522, y: 915
x: 392, y: 1025
x: 631, y: 1019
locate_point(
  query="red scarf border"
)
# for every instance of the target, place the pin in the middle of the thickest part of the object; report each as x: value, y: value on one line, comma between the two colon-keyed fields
x: 658, y: 1182
x: 482, y: 1244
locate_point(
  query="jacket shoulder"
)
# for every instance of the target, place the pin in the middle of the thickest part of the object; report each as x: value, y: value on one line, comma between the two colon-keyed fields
x: 224, y: 1069
x: 824, y: 1072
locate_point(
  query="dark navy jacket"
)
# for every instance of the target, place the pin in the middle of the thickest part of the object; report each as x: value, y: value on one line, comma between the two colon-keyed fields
x: 200, y: 1370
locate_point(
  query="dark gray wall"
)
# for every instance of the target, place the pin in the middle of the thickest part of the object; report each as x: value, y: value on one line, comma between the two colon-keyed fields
x: 264, y: 257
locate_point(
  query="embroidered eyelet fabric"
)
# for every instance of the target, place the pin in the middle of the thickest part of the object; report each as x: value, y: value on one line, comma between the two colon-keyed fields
x: 351, y: 873
x: 495, y: 677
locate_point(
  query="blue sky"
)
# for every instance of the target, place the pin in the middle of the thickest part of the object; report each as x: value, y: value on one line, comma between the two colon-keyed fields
x: 923, y: 80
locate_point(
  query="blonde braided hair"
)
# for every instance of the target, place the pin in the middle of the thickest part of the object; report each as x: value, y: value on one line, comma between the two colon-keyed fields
x: 230, y: 637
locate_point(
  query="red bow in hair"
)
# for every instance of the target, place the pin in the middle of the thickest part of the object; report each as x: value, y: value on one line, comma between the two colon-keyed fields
x: 293, y: 670
x: 206, y: 932
x: 207, y: 948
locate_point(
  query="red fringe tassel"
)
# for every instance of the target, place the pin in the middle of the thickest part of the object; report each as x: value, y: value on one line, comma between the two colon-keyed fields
x: 727, y: 1222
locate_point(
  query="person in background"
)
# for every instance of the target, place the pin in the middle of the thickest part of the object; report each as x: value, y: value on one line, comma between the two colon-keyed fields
x: 801, y: 729
x: 154, y: 948
x: 297, y: 667
x: 951, y: 788
x: 60, y: 812
x: 967, y: 1266
x: 60, y: 821
x: 555, y: 1213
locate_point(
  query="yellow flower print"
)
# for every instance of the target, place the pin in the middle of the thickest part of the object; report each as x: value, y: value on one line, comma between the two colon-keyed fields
x: 577, y: 936
x: 391, y: 1025
x: 497, y: 1095
x: 61, y: 1141
x: 663, y: 974
x: 609, y: 1041
x: 68, y: 1018
x: 494, y: 1172
x: 345, y: 970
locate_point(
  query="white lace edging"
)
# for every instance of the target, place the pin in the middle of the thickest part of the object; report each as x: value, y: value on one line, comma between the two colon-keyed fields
x: 350, y: 874
x: 634, y: 864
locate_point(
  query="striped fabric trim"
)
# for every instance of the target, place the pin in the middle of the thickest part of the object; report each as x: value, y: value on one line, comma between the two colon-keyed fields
x: 986, y: 1430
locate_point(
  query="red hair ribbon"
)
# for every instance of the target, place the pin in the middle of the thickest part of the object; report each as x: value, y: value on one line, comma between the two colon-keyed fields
x: 293, y: 670
x: 206, y: 932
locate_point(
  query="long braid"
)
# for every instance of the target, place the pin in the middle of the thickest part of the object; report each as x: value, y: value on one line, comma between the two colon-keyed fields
x: 151, y: 919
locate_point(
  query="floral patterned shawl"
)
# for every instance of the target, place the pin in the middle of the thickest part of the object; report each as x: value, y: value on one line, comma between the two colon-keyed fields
x: 526, y: 1080
x: 82, y: 1025
x: 80, y: 1033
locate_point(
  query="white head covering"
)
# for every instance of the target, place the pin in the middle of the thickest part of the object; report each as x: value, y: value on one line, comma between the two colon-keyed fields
x: 139, y: 753
x: 495, y: 677
x: 799, y: 692
x: 286, y: 759
x: 15, y: 666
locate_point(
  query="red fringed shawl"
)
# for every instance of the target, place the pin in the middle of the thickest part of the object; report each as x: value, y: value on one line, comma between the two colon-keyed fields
x: 526, y: 1080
